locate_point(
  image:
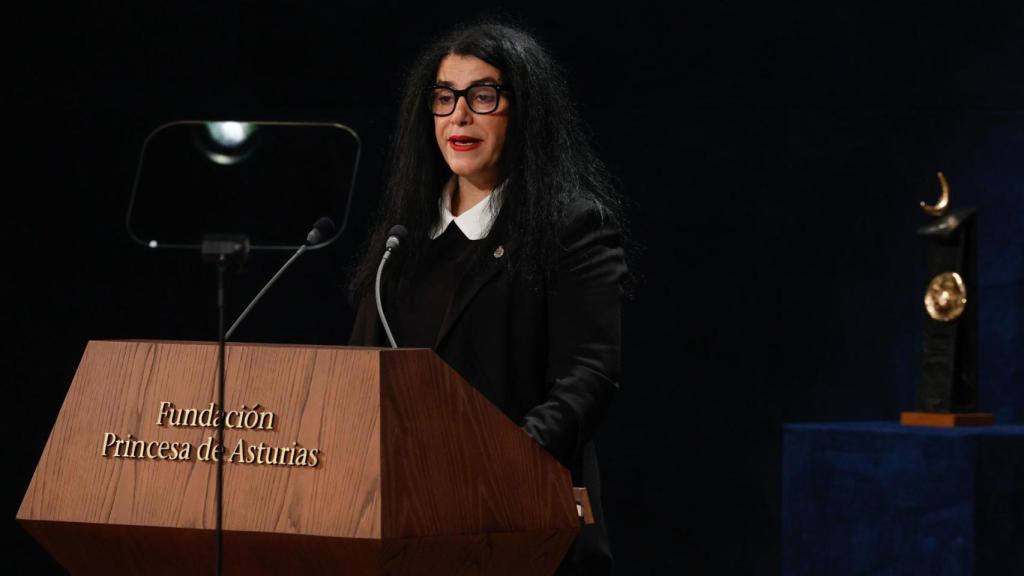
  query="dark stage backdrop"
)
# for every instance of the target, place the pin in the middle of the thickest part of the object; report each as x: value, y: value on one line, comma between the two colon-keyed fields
x: 772, y: 159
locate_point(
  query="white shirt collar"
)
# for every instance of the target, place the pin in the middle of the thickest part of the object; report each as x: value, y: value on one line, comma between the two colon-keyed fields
x: 476, y: 222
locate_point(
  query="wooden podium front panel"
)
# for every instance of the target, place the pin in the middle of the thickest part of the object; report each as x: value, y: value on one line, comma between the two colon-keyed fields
x: 322, y: 397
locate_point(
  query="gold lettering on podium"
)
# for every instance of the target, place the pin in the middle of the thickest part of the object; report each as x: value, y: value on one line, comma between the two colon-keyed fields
x: 254, y: 418
x: 249, y: 418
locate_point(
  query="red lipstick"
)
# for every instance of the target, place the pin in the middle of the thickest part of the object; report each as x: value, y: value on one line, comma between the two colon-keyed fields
x: 463, y: 143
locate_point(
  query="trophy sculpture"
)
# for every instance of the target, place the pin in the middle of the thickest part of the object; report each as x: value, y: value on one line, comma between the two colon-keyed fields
x: 947, y: 393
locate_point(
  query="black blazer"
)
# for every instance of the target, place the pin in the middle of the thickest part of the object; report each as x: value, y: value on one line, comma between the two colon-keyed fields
x: 549, y: 356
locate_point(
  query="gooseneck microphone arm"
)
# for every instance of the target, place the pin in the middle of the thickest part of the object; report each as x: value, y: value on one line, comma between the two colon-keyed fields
x: 396, y: 234
x: 323, y: 228
x: 259, y: 295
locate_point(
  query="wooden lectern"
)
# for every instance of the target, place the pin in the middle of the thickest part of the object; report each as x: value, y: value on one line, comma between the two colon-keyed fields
x: 337, y: 460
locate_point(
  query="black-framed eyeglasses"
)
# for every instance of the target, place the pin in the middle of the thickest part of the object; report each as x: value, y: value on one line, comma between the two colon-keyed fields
x: 481, y: 98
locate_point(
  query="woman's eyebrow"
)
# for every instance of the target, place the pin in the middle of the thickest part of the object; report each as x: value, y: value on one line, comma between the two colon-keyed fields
x: 484, y: 80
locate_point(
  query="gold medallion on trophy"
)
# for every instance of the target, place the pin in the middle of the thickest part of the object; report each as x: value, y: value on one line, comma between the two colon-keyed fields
x: 946, y: 297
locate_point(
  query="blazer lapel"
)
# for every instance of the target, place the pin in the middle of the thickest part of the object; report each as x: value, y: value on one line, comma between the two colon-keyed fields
x: 492, y: 261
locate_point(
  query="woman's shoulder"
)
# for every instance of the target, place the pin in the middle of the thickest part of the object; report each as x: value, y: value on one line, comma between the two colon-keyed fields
x: 590, y: 245
x: 586, y: 220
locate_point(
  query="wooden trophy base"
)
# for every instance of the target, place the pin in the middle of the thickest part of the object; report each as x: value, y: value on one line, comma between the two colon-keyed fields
x: 947, y: 419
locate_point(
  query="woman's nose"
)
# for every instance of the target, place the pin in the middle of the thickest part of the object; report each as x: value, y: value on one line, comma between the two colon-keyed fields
x: 462, y: 114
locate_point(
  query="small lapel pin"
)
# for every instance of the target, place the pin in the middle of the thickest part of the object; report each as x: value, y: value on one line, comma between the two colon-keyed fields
x: 499, y: 251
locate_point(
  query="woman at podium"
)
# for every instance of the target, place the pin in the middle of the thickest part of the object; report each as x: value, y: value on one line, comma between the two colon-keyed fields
x: 513, y: 267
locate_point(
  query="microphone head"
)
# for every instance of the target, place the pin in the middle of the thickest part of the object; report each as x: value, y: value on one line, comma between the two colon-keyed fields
x: 323, y: 228
x: 396, y: 234
x: 398, y: 231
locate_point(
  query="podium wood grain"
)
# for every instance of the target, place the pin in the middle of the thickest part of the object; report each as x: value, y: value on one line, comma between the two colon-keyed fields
x: 418, y: 472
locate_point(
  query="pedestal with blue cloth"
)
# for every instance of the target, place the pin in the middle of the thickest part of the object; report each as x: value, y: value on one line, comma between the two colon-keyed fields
x: 881, y: 498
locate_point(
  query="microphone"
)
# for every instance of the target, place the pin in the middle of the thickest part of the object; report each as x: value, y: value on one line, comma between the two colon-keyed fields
x: 396, y: 234
x: 322, y: 229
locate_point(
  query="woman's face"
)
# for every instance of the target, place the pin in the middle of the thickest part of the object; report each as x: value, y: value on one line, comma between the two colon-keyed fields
x: 471, y: 143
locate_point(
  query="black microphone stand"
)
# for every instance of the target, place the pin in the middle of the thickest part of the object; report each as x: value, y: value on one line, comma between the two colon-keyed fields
x: 224, y: 250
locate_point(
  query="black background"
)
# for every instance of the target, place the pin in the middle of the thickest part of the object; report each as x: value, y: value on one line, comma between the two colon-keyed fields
x: 772, y: 158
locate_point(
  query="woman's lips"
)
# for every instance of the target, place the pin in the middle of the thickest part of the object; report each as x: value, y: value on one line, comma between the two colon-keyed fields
x: 463, y: 143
